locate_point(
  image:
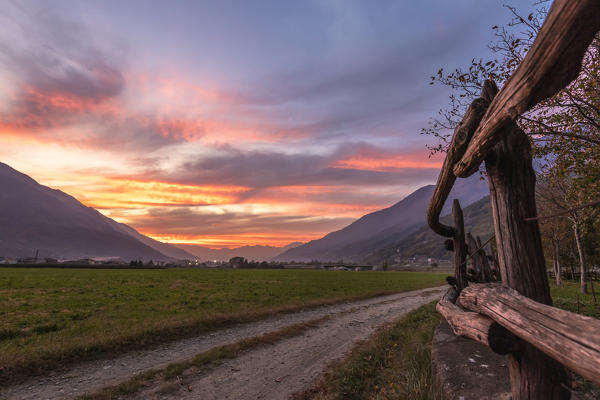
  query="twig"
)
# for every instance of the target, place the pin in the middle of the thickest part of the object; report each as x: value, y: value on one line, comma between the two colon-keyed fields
x: 562, y: 213
x: 479, y: 248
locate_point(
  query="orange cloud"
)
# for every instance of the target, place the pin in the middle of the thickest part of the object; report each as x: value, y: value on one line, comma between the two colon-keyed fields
x: 188, y: 130
x: 371, y: 160
x: 115, y: 193
x: 190, y: 111
x: 178, y: 89
x: 212, y: 130
x: 222, y: 241
x: 171, y: 108
x: 122, y: 193
x: 384, y: 164
x: 35, y: 109
x: 302, y: 204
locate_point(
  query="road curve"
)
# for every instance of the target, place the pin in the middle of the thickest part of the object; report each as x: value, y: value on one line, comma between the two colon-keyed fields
x: 268, y: 372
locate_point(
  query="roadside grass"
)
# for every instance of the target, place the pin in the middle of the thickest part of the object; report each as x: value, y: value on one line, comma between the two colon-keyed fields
x: 174, y: 375
x: 569, y: 298
x: 394, y: 364
x: 566, y: 297
x: 52, y: 317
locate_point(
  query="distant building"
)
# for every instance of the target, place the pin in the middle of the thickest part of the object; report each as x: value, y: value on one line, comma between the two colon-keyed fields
x: 82, y: 261
x: 30, y: 260
x: 238, y: 262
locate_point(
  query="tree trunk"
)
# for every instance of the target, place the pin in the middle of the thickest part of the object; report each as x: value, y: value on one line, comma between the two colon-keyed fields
x: 533, y: 375
x: 557, y: 268
x: 582, y: 280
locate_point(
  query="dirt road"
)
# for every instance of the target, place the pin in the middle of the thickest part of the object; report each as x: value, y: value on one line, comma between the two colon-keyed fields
x: 268, y: 372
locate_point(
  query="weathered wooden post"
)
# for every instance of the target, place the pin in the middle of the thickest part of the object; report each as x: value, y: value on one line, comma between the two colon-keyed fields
x: 486, y: 262
x: 459, y: 246
x: 551, y: 63
x: 482, y: 267
x: 511, y: 178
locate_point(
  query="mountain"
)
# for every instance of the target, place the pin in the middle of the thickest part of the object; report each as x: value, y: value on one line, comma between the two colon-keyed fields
x: 256, y: 253
x: 167, y: 249
x: 425, y: 243
x: 376, y: 230
x: 35, y: 217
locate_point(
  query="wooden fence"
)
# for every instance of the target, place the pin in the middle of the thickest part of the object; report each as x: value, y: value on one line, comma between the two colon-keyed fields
x: 515, y: 317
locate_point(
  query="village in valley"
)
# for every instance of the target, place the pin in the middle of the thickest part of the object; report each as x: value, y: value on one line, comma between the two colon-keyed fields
x: 311, y: 200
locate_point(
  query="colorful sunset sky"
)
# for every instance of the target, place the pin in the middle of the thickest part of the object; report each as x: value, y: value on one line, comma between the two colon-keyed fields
x: 226, y: 123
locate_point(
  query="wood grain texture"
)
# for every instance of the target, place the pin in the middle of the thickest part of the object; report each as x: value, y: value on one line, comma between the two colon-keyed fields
x: 571, y: 339
x: 495, y: 274
x: 521, y: 259
x: 553, y: 61
x: 511, y: 179
x: 479, y: 260
x: 480, y: 328
x: 460, y: 140
x: 459, y: 245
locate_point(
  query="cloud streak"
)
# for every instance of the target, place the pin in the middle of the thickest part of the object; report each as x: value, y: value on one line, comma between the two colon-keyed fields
x: 351, y: 164
x: 258, y: 120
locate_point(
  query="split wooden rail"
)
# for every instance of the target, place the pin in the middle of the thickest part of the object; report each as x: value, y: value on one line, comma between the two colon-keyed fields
x: 515, y: 317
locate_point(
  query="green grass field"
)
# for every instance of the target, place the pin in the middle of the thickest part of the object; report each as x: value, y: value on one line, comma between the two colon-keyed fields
x: 50, y: 317
x: 566, y: 298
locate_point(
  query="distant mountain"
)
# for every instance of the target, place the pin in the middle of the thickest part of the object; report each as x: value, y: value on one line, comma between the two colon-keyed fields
x: 375, y: 231
x: 256, y: 253
x: 35, y: 217
x: 167, y: 249
x: 426, y: 243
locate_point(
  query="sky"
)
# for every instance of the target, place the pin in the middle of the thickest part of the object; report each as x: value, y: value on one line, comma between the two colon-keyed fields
x: 228, y: 123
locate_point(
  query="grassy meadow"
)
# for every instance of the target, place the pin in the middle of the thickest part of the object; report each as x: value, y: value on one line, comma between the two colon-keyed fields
x: 565, y: 297
x: 52, y: 316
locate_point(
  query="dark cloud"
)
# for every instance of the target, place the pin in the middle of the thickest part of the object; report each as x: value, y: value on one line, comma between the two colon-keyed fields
x: 261, y: 169
x: 358, y: 197
x: 57, y: 55
x: 194, y: 221
x: 58, y: 72
x: 61, y: 77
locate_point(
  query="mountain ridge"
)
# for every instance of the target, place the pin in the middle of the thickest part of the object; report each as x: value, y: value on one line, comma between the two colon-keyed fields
x: 423, y: 242
x: 354, y: 242
x: 36, y: 218
x: 255, y: 252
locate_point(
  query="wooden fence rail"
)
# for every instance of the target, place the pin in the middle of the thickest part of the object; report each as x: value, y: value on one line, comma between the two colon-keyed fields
x: 553, y: 61
x: 516, y: 317
x: 571, y: 339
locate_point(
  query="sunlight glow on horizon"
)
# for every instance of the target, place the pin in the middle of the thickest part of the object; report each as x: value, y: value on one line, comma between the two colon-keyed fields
x: 232, y: 126
x: 231, y: 241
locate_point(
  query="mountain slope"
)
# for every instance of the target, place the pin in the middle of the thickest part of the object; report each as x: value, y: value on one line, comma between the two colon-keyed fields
x: 256, y: 253
x: 167, y: 249
x: 425, y: 243
x: 35, y: 217
x: 380, y: 228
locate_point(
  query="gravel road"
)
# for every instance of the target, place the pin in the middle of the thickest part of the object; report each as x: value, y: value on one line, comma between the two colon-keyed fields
x: 266, y: 372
